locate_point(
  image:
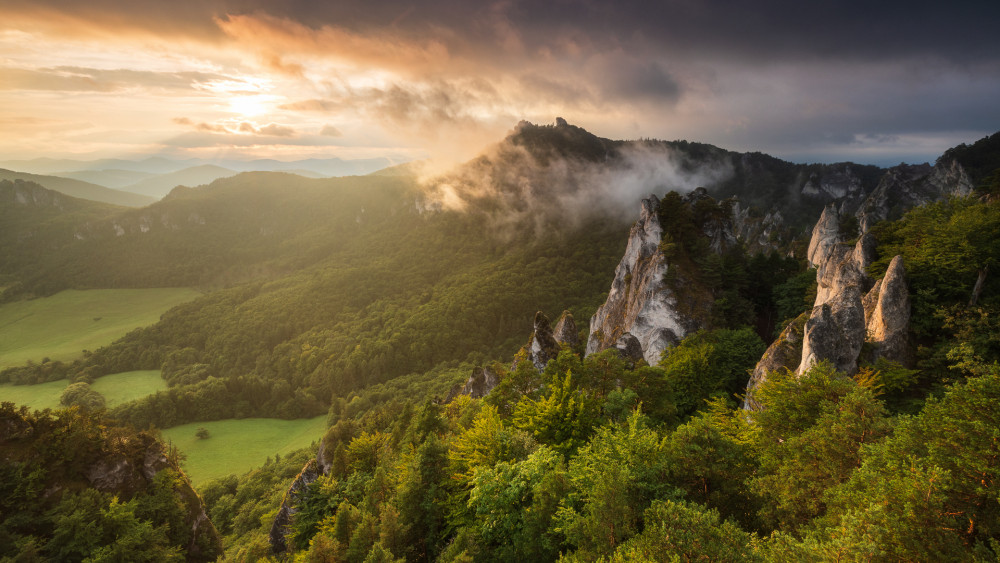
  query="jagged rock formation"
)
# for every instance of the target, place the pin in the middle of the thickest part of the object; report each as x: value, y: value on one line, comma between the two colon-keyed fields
x: 479, y: 384
x: 639, y: 303
x: 22, y: 193
x: 279, y: 528
x: 542, y: 345
x: 839, y: 181
x: 759, y: 234
x: 70, y: 452
x: 889, y: 319
x: 850, y: 310
x: 566, y: 331
x: 785, y: 351
x: 825, y: 236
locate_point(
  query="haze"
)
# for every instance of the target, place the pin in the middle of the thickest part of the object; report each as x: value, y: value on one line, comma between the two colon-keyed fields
x: 808, y: 82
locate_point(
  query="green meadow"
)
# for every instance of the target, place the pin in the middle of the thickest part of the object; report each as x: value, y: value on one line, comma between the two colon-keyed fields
x: 239, y: 445
x: 121, y: 388
x: 117, y: 388
x: 60, y: 327
x: 38, y: 397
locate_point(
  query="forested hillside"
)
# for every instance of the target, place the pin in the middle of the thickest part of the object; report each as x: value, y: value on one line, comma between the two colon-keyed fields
x: 369, y: 298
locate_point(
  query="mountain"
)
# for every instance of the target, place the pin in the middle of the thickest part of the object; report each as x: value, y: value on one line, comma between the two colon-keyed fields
x: 160, y: 185
x: 368, y: 298
x: 81, y: 169
x: 109, y: 178
x: 79, y: 189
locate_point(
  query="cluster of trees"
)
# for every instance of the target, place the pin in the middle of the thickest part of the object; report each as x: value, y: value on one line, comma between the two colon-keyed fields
x: 580, y: 468
x: 51, y: 509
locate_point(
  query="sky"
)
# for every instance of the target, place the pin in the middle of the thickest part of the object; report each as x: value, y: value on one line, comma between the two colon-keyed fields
x: 871, y: 82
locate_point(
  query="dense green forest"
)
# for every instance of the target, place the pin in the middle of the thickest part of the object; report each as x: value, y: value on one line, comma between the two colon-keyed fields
x: 365, y: 299
x: 598, y: 459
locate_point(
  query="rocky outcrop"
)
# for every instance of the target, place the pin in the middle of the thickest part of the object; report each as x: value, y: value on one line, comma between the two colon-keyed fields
x: 29, y: 194
x: 542, y: 345
x: 835, y: 332
x: 566, y: 331
x: 784, y: 352
x: 639, y: 303
x: 850, y: 310
x: 836, y: 182
x: 906, y: 186
x: 279, y: 527
x: 889, y: 319
x: 758, y: 234
x: 629, y: 347
x: 825, y: 236
x: 480, y: 383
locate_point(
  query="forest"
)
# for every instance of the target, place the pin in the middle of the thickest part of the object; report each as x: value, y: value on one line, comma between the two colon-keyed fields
x: 377, y: 306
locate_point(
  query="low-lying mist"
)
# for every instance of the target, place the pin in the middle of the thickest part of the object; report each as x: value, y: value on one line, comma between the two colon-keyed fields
x: 520, y: 188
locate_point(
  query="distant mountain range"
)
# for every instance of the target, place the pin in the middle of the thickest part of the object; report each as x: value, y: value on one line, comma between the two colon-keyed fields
x: 154, y: 177
x: 117, y: 168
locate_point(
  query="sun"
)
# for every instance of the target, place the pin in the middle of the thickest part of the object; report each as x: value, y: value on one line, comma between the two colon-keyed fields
x: 250, y: 106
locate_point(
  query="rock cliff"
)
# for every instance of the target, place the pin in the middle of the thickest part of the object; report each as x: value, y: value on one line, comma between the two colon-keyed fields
x: 639, y: 303
x: 850, y: 310
x: 906, y: 186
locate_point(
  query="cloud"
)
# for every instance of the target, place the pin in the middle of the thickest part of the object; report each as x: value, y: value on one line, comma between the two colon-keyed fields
x: 322, y: 106
x: 79, y: 79
x: 782, y: 77
x: 547, y: 194
x: 330, y: 131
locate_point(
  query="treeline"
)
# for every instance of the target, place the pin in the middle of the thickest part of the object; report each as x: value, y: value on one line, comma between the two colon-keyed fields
x: 606, y: 462
x: 596, y: 459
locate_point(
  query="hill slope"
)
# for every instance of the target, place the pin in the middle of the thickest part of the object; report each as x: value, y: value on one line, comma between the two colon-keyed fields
x: 80, y: 189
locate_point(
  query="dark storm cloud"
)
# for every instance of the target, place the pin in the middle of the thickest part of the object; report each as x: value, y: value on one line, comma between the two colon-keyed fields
x: 785, y: 29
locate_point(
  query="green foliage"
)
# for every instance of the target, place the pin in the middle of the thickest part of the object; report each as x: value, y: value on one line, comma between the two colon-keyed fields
x: 562, y: 419
x: 816, y: 448
x: 680, y: 531
x: 81, y: 395
x: 146, y: 519
x: 513, y: 505
x: 710, y: 363
x: 614, y: 477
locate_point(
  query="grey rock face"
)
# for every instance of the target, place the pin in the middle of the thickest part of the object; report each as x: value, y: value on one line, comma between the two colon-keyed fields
x: 639, y: 303
x: 889, y: 320
x: 480, y: 383
x: 843, y: 266
x: 784, y: 353
x: 825, y: 236
x: 629, y: 347
x: 906, y: 186
x: 846, y: 313
x: 279, y: 527
x: 542, y: 345
x: 757, y: 233
x: 835, y: 331
x: 566, y: 331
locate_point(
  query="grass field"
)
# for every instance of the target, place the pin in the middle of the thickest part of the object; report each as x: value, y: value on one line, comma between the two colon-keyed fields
x: 123, y: 387
x: 236, y: 446
x: 38, y: 397
x: 117, y: 388
x: 62, y: 326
